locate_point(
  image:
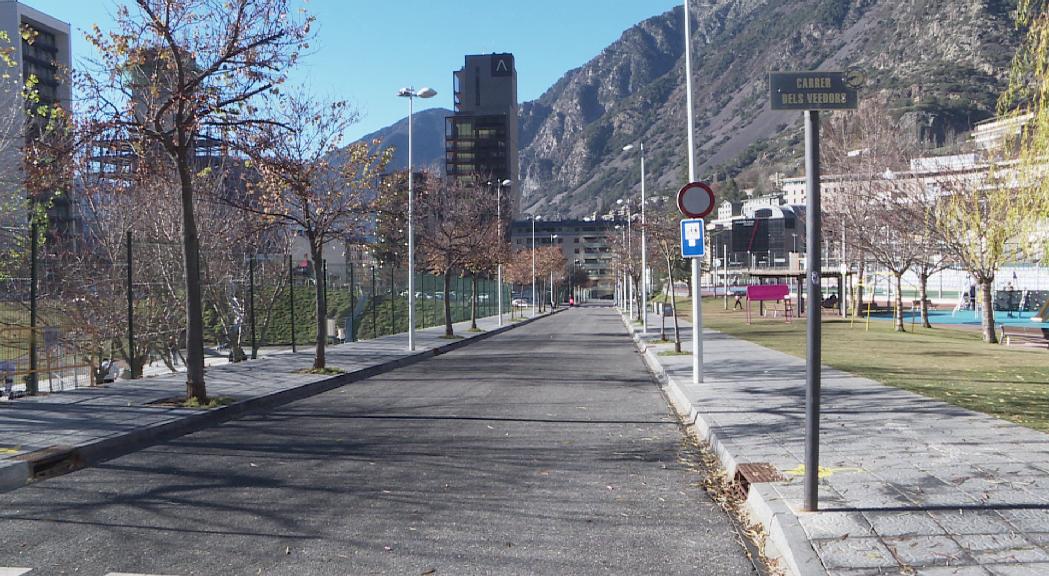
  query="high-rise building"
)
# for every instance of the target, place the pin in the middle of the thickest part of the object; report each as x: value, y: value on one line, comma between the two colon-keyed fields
x: 481, y: 138
x: 42, y: 52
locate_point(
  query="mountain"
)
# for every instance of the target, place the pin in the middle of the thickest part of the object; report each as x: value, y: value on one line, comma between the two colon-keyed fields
x: 939, y: 63
x: 428, y: 136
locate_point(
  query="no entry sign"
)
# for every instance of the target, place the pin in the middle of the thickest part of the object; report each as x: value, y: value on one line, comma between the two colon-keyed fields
x: 695, y: 200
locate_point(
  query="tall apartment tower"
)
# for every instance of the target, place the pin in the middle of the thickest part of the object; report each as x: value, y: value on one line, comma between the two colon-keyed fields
x: 48, y: 57
x: 481, y: 138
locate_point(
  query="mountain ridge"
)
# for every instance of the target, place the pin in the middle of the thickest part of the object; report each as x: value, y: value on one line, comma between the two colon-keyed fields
x: 938, y: 63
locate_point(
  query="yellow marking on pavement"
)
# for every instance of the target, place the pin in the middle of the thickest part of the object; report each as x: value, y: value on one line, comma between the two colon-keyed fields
x: 10, y: 450
x: 823, y: 471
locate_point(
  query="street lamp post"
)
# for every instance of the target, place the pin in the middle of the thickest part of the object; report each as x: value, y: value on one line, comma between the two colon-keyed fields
x: 644, y: 244
x: 697, y: 296
x: 499, y: 220
x: 552, y: 304
x: 535, y: 298
x: 411, y: 94
x: 577, y: 290
x: 629, y: 256
x: 623, y: 275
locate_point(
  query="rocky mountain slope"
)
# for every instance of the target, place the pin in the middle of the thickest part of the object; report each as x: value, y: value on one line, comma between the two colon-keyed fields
x: 428, y: 134
x: 940, y: 62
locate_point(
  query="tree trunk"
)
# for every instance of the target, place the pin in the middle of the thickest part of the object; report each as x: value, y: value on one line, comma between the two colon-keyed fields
x: 473, y: 301
x: 989, y: 335
x: 897, y: 315
x: 858, y: 300
x: 317, y: 252
x: 448, y: 304
x: 673, y: 304
x: 637, y: 294
x: 195, y: 387
x: 923, y: 294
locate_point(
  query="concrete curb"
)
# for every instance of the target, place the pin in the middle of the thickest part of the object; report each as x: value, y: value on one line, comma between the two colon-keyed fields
x: 787, y: 541
x: 16, y: 474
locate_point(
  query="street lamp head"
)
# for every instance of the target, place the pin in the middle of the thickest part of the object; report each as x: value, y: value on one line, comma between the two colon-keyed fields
x: 619, y: 201
x: 420, y: 93
x: 506, y: 182
x: 628, y: 147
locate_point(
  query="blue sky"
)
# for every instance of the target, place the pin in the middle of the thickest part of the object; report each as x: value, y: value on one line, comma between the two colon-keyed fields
x: 366, y: 49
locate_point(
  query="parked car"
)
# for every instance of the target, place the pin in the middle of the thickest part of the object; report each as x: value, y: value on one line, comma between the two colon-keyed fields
x: 520, y: 303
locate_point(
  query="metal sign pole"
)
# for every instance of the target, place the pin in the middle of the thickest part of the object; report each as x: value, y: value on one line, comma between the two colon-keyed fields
x: 697, y: 296
x: 813, y: 369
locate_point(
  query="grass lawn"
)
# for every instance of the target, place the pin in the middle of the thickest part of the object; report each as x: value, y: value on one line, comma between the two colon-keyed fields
x: 944, y: 363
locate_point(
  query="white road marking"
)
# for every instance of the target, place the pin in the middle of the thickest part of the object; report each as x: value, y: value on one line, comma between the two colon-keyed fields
x: 13, y: 571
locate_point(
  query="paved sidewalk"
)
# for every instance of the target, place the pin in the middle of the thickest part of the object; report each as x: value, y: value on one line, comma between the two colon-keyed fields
x: 910, y: 485
x: 47, y: 435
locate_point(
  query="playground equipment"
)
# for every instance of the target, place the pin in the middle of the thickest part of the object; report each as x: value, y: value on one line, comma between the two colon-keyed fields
x: 770, y: 293
x: 1043, y: 313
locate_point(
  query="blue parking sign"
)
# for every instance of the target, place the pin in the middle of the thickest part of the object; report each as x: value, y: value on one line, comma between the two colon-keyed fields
x: 692, y: 238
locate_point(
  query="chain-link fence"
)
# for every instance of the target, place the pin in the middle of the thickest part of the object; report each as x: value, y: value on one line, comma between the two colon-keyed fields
x: 72, y: 317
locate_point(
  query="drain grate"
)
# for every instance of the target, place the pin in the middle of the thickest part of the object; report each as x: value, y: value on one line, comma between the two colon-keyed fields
x: 51, y: 461
x: 754, y: 473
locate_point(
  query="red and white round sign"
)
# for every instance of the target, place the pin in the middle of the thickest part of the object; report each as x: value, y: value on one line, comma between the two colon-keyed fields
x: 695, y: 200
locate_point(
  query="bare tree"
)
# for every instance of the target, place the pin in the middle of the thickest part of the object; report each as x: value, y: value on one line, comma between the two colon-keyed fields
x: 176, y: 73
x: 550, y: 266
x: 310, y: 182
x: 872, y: 199
x: 663, y: 227
x: 518, y: 269
x: 449, y: 215
x: 485, y: 245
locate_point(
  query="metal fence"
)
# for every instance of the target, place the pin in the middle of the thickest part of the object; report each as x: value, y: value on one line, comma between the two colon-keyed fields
x: 83, y: 317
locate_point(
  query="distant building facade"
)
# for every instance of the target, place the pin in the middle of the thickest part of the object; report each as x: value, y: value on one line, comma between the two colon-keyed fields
x: 481, y: 137
x: 584, y: 244
x: 46, y: 54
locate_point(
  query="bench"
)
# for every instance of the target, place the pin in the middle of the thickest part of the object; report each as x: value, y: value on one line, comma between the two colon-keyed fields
x: 1021, y: 335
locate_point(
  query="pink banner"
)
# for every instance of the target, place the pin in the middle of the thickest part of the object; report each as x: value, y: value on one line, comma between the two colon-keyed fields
x: 767, y: 292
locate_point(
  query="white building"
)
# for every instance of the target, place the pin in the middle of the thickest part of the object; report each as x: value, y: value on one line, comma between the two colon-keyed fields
x: 991, y: 134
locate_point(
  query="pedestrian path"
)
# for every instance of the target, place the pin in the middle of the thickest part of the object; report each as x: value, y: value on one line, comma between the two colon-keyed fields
x: 909, y: 485
x: 52, y: 434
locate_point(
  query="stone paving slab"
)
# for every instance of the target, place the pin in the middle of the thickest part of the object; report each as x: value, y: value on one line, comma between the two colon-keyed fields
x: 97, y: 423
x: 911, y: 485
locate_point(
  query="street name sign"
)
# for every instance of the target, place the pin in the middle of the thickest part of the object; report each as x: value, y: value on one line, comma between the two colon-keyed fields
x: 814, y: 90
x: 695, y: 200
x: 692, y: 238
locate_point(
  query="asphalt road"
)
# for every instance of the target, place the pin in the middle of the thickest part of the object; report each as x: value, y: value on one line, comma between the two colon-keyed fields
x: 547, y: 450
